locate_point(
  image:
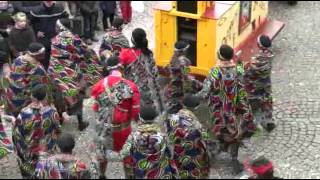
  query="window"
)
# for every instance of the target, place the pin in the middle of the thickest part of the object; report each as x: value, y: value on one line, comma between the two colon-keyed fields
x: 187, y: 31
x: 245, y: 15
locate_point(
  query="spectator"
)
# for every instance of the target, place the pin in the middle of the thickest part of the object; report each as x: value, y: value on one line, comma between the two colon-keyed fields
x: 21, y: 35
x: 4, y: 55
x: 108, y: 9
x: 126, y: 11
x: 74, y: 9
x: 89, y: 11
x: 6, y: 11
x: 76, y: 24
x: 25, y: 6
x: 44, y: 21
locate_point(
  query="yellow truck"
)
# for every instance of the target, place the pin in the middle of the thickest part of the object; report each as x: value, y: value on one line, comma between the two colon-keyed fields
x: 208, y: 24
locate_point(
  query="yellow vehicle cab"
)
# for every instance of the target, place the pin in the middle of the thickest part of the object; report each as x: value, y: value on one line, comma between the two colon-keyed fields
x: 208, y: 24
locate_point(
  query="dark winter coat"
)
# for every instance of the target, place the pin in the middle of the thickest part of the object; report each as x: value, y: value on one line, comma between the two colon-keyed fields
x: 20, y: 39
x: 89, y: 7
x: 44, y: 19
x: 25, y: 6
x: 4, y: 51
x: 108, y: 7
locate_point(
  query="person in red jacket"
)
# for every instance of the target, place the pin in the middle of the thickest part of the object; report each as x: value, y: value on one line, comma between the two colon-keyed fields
x: 117, y: 101
x: 126, y: 11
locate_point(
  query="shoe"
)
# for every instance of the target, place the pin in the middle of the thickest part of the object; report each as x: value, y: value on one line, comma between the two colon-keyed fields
x: 95, y: 39
x: 88, y: 41
x: 97, y: 28
x: 82, y: 126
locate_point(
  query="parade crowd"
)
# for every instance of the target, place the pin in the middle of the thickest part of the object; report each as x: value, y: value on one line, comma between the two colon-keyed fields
x: 152, y: 129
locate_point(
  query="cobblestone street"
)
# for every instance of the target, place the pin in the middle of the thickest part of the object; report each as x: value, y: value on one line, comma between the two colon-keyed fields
x: 294, y: 146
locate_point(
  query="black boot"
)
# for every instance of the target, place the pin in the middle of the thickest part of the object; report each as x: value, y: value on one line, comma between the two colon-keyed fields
x: 78, y: 110
x: 235, y: 164
x: 82, y: 125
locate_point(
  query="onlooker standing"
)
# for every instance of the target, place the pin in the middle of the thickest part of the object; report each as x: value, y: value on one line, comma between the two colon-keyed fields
x: 89, y: 11
x: 126, y: 11
x: 108, y: 9
x: 76, y: 24
x: 6, y: 11
x: 25, y: 6
x: 4, y: 71
x: 44, y: 21
x: 21, y: 35
x: 4, y: 54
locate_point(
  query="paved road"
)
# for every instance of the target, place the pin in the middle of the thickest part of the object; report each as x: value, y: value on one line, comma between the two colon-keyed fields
x: 295, y: 144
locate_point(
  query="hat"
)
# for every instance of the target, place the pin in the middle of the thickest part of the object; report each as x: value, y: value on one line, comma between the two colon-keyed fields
x: 148, y: 113
x: 36, y: 48
x: 261, y: 166
x: 181, y: 45
x: 191, y: 101
x: 20, y: 16
x: 225, y: 53
x: 264, y: 41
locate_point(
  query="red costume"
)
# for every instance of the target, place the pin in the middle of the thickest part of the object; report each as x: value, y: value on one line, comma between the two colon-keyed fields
x: 125, y: 109
x: 129, y: 55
